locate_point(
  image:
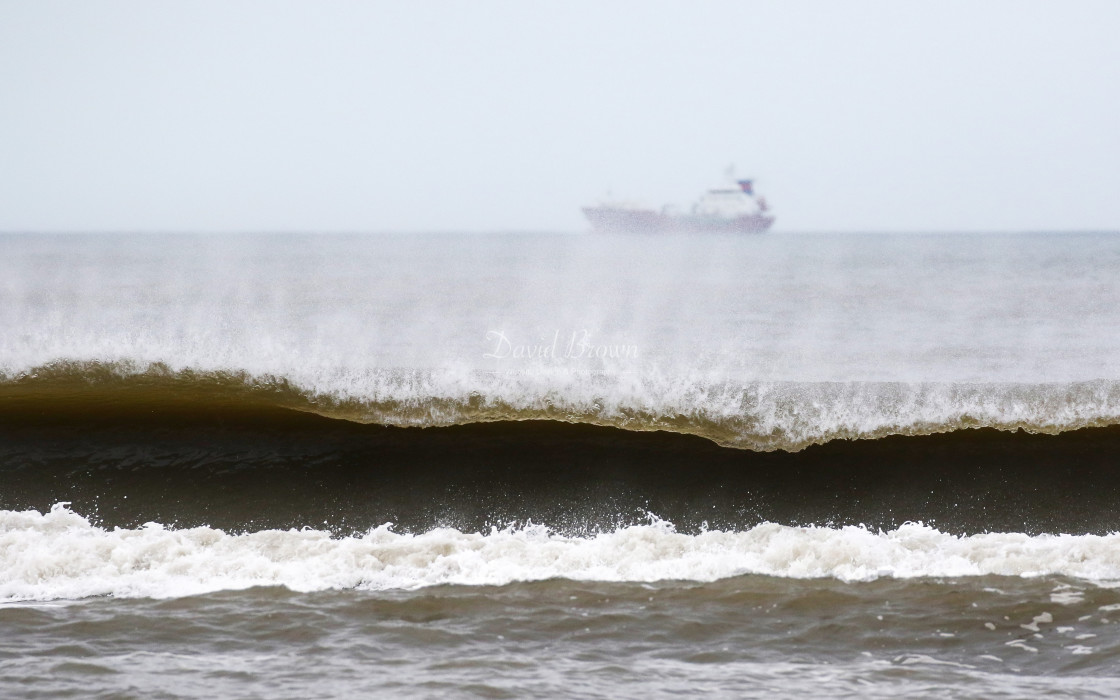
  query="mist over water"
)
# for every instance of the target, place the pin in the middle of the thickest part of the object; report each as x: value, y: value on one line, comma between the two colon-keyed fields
x: 701, y: 461
x: 913, y: 308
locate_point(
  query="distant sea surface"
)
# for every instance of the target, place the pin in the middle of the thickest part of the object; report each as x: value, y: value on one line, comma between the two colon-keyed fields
x: 880, y: 465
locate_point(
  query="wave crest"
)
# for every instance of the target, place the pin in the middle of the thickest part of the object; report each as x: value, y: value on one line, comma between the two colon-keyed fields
x: 760, y: 416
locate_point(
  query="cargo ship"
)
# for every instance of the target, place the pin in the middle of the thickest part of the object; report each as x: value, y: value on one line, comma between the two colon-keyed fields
x: 729, y: 208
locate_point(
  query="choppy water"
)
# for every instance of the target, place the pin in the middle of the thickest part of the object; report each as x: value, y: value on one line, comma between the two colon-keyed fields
x: 748, y: 636
x: 888, y: 465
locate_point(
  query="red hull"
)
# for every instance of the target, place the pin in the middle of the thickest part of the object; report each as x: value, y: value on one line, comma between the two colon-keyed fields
x: 616, y: 220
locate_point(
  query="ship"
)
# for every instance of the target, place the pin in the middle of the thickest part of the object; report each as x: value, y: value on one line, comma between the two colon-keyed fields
x: 728, y: 208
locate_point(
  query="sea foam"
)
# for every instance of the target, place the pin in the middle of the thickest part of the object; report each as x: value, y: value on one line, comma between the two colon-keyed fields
x: 62, y: 555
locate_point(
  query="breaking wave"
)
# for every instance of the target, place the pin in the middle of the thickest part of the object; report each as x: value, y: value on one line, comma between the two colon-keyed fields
x: 60, y: 554
x: 761, y: 416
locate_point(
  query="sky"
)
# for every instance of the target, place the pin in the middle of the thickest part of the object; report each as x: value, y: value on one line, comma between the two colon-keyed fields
x: 486, y: 115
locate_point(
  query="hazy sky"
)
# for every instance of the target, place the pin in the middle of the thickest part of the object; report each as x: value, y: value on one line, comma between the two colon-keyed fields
x: 412, y: 116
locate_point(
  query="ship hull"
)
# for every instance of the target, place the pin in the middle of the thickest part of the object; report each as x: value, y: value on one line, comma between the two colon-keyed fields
x: 615, y: 220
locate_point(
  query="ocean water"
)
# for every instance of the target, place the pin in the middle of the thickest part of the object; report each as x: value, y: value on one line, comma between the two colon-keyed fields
x: 524, y: 465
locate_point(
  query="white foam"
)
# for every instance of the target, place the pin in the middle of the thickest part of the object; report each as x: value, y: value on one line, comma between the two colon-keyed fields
x: 61, y: 555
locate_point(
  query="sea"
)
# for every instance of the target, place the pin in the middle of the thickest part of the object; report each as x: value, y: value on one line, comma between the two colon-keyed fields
x: 560, y: 465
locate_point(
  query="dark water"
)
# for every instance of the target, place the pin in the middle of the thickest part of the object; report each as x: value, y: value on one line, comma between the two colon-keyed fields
x: 125, y: 458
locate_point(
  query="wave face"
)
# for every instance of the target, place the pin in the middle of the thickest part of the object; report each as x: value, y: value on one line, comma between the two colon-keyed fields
x: 60, y: 554
x: 127, y: 458
x: 764, y: 343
